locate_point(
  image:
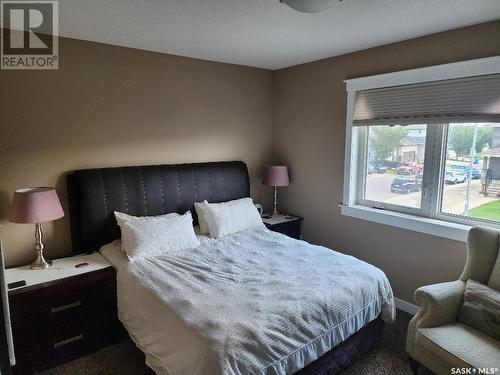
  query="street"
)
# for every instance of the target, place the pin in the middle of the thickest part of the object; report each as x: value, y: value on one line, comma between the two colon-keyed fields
x: 378, y: 188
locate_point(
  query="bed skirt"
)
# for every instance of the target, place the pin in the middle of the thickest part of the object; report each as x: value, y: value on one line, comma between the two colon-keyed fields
x: 348, y: 352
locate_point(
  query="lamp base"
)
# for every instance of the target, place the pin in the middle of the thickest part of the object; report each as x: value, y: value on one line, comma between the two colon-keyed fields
x: 40, y: 263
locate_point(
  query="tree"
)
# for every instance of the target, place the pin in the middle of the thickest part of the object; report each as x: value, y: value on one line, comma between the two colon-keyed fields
x: 384, y: 140
x: 460, y: 138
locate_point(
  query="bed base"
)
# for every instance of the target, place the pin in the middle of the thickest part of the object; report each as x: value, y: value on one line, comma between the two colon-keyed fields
x: 348, y: 352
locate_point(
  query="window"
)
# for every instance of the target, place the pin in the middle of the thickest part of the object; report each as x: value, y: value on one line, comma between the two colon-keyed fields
x: 429, y: 149
x: 467, y: 187
x: 394, y: 165
x: 471, y: 185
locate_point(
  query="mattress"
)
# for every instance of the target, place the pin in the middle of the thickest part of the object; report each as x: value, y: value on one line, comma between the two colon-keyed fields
x: 255, y: 302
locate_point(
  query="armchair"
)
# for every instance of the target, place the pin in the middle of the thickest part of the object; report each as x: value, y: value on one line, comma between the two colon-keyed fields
x: 435, y: 338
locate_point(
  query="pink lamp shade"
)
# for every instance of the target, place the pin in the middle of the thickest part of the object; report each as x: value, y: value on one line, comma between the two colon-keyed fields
x: 35, y: 205
x: 276, y: 175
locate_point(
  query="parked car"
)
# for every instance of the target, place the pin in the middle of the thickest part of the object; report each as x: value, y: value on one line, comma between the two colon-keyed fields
x: 380, y: 168
x: 475, y: 174
x: 419, y: 177
x: 409, y: 169
x: 405, y: 184
x: 370, y: 169
x: 454, y: 177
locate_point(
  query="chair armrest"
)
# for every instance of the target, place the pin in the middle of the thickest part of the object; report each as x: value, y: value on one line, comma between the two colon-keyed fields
x: 439, y: 305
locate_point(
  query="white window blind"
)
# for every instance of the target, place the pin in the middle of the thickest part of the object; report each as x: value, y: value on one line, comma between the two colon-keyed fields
x: 473, y: 99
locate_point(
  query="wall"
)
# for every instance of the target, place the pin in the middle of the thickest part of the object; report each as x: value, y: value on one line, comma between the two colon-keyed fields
x: 309, y: 136
x: 110, y: 106
x: 113, y: 106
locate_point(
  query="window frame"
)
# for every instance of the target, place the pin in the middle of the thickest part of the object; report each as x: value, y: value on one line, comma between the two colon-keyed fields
x: 428, y: 218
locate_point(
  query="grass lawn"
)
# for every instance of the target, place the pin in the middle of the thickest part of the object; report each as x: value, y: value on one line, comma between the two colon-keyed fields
x: 489, y: 210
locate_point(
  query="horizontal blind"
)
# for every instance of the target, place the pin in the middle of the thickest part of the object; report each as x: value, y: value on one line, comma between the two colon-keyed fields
x: 473, y: 99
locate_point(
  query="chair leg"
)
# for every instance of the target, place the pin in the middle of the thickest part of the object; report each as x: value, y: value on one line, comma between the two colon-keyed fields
x: 414, y: 365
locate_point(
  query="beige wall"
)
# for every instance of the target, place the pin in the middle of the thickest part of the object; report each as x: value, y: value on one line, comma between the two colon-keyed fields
x: 309, y: 135
x: 112, y: 106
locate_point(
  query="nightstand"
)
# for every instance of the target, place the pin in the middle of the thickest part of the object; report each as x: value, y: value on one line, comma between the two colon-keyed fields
x: 63, y: 312
x: 283, y: 223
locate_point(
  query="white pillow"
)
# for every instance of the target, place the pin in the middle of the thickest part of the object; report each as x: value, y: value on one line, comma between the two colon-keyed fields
x: 230, y: 217
x: 121, y: 217
x: 145, y: 238
x: 199, y: 207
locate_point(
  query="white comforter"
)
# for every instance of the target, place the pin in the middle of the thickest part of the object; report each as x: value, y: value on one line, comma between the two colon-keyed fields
x: 262, y: 303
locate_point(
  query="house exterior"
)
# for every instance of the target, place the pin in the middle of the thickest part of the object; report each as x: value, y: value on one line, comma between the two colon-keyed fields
x: 412, y: 147
x: 491, y: 159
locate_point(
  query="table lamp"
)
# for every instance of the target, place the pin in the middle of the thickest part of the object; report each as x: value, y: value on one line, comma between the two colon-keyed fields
x: 36, y: 205
x: 276, y: 175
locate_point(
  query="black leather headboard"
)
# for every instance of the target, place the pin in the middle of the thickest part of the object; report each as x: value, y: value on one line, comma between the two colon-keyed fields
x: 145, y: 191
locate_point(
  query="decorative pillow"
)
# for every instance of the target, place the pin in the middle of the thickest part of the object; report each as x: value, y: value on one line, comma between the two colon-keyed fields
x: 145, y: 238
x: 481, y: 309
x: 201, y: 217
x: 230, y: 217
x: 121, y: 217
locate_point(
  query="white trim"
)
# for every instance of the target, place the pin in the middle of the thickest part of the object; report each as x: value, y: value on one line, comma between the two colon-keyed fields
x: 351, y: 150
x: 408, y: 307
x: 468, y: 68
x: 434, y: 227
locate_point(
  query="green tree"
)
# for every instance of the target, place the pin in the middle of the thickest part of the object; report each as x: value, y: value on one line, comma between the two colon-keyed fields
x: 460, y: 138
x: 384, y: 140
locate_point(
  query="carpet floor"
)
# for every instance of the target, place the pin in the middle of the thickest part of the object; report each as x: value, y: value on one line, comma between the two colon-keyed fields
x: 124, y: 358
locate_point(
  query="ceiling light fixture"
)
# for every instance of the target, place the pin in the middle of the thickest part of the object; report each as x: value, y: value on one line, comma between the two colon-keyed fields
x: 310, y: 6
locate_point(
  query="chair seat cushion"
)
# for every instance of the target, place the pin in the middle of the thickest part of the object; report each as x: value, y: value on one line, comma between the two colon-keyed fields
x: 459, y: 345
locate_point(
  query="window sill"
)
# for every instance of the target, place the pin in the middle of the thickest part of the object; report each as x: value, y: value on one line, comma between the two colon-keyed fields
x: 434, y: 227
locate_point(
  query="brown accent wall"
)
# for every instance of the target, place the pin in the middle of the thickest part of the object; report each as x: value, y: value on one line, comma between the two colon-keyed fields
x: 113, y: 106
x: 309, y: 136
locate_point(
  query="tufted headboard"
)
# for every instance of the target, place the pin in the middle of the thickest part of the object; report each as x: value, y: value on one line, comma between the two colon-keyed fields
x: 145, y: 191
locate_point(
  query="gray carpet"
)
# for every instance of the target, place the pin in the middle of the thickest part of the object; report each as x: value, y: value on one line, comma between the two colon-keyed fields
x: 124, y: 358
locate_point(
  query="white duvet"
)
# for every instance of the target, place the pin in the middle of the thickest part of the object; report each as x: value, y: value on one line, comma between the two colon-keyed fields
x: 255, y: 302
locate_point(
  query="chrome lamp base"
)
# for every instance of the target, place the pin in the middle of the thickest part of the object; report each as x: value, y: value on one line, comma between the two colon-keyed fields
x: 275, y: 211
x: 40, y: 262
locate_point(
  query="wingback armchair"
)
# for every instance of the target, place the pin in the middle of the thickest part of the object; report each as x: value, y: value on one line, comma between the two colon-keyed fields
x: 435, y: 339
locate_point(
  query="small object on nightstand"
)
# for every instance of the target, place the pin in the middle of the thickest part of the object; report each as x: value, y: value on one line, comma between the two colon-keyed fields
x: 16, y: 284
x: 64, y: 312
x: 285, y: 224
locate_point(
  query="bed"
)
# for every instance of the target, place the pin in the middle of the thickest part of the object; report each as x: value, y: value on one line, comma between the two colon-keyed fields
x: 255, y: 302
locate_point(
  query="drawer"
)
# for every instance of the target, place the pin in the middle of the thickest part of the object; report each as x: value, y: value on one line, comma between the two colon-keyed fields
x: 66, y: 320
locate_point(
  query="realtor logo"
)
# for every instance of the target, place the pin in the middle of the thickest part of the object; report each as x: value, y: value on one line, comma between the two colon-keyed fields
x: 29, y: 31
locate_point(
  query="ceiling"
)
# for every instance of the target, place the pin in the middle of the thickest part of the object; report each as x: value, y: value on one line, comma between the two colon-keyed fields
x: 263, y: 33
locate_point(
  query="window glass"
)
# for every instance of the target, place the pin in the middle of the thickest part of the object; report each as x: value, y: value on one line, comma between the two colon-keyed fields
x: 471, y: 180
x: 395, y: 164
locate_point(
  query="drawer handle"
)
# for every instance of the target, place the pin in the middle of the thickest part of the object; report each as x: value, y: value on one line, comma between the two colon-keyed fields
x: 65, y: 307
x: 68, y: 341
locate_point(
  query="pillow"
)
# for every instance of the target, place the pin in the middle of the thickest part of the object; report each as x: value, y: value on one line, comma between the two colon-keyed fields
x: 121, y: 217
x: 201, y: 216
x: 481, y: 309
x: 230, y: 217
x: 145, y: 238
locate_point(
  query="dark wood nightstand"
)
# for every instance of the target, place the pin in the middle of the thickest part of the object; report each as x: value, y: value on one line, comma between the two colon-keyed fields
x: 283, y: 223
x: 63, y: 312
